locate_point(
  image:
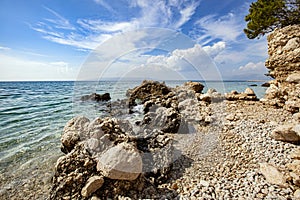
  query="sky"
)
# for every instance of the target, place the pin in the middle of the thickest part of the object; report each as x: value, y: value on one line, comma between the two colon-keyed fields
x: 43, y: 40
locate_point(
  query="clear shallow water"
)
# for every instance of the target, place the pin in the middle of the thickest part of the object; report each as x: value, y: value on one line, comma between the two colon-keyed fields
x: 33, y: 114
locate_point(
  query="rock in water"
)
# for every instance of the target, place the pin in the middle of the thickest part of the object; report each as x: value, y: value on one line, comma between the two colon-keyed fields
x: 286, y: 133
x: 121, y: 162
x: 272, y: 175
x: 93, y: 184
x: 96, y: 97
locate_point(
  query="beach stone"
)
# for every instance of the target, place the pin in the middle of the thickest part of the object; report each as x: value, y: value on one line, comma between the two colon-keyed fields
x: 74, y: 131
x: 195, y: 86
x: 272, y: 174
x: 121, y: 162
x: 249, y: 92
x: 93, y: 184
x: 286, y: 133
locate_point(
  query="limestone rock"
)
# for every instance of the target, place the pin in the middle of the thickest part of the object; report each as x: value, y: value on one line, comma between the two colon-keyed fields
x: 147, y: 90
x: 296, y: 117
x: 96, y: 97
x: 93, y: 184
x: 297, y: 194
x: 122, y: 162
x: 74, y: 131
x: 294, y: 78
x: 272, y: 174
x: 195, y: 86
x: 248, y: 95
x: 249, y: 92
x: 286, y: 133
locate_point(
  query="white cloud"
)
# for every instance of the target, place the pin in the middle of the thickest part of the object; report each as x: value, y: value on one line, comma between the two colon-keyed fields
x: 89, y: 33
x: 186, y: 15
x: 215, y: 49
x: 59, y: 22
x: 253, y: 67
x: 22, y: 69
x: 227, y: 27
x: 101, y: 26
x: 4, y: 48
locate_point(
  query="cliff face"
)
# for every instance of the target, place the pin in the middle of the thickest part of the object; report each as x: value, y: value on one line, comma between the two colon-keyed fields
x: 284, y: 52
x: 284, y: 66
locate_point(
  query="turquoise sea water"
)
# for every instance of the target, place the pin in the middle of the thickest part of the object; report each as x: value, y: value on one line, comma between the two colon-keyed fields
x: 33, y: 114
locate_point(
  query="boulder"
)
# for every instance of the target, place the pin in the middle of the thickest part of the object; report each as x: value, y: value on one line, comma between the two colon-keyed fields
x: 286, y: 133
x: 96, y: 97
x: 146, y: 90
x: 93, y: 184
x: 249, y: 92
x: 74, y: 131
x: 272, y: 175
x: 121, y: 162
x: 195, y: 86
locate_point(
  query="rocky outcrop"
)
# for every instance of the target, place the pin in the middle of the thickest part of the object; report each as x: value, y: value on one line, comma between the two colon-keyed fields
x: 284, y: 66
x: 195, y: 86
x: 284, y: 51
x: 96, y: 97
x: 106, y: 157
x: 147, y: 90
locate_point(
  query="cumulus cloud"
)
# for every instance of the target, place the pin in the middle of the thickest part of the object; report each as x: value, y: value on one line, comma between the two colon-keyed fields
x: 253, y: 67
x: 215, y: 49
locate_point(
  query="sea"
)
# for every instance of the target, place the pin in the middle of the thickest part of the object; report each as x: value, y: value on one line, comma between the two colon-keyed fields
x: 33, y: 114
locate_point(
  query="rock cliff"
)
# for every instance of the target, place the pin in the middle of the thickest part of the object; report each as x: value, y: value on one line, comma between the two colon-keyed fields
x: 284, y: 66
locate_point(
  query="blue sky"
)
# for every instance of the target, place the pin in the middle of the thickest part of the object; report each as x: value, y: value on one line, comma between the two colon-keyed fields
x: 59, y: 40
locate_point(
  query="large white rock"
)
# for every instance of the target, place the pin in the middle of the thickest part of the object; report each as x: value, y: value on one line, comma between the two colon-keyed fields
x: 286, y: 133
x: 92, y: 185
x: 294, y: 78
x: 249, y: 92
x: 272, y: 175
x: 122, y: 162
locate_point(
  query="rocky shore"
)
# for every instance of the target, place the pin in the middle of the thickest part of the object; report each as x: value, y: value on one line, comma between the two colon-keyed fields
x: 190, y: 145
